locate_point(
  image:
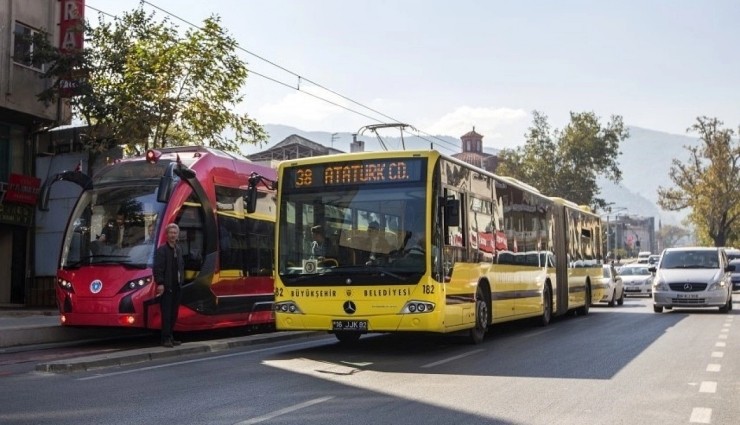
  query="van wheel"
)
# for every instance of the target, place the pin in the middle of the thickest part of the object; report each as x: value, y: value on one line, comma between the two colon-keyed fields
x: 657, y: 309
x: 726, y: 308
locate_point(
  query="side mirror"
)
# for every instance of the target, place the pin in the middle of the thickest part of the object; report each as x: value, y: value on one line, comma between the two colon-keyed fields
x: 166, y: 184
x: 730, y: 268
x: 652, y: 269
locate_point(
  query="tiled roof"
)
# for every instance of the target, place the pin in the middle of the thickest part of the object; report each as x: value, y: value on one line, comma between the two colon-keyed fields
x: 471, y: 135
x: 293, y: 146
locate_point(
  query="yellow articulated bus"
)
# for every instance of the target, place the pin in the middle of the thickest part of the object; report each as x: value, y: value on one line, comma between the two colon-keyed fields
x: 417, y: 241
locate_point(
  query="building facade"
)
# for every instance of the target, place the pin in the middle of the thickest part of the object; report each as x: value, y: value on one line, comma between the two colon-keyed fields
x: 23, y: 120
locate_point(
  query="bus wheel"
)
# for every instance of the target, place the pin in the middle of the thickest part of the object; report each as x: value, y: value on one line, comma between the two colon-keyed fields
x: 583, y: 311
x: 546, y: 306
x: 481, y: 317
x: 347, y: 337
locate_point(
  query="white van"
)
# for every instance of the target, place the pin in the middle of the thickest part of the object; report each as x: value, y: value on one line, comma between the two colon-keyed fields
x: 643, y: 256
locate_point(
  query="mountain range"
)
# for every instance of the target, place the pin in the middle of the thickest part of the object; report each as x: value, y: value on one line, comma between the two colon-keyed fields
x: 645, y: 160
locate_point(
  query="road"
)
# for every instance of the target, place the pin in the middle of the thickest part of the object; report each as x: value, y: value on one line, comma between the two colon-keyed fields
x: 621, y: 365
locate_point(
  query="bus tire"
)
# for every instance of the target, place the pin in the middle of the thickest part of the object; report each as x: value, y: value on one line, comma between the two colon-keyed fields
x: 546, y: 306
x: 583, y: 310
x: 346, y: 337
x: 482, y: 317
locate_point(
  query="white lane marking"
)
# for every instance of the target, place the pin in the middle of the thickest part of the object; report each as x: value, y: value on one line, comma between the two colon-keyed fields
x: 123, y: 372
x: 720, y: 344
x: 723, y: 336
x: 701, y: 415
x: 452, y: 359
x: 708, y: 387
x: 725, y: 330
x: 714, y: 367
x: 281, y: 412
x: 727, y: 325
x: 718, y: 354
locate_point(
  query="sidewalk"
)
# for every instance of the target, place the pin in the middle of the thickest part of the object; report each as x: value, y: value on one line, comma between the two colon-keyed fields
x: 23, y: 327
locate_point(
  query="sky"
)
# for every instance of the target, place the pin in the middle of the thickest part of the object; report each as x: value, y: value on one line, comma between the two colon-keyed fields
x: 445, y: 67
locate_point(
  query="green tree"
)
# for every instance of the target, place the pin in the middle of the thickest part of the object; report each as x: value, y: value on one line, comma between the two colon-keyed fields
x: 567, y: 163
x: 668, y: 236
x: 708, y: 183
x: 145, y: 84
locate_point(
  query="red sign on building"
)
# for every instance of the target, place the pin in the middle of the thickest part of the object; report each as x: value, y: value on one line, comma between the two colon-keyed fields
x: 22, y: 189
x: 72, y: 25
x: 71, y: 38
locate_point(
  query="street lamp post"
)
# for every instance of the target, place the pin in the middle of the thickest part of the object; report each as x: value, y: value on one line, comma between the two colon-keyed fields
x: 609, y: 237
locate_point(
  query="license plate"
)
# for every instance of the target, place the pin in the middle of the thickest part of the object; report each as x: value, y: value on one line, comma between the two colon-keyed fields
x: 349, y: 325
x: 688, y: 296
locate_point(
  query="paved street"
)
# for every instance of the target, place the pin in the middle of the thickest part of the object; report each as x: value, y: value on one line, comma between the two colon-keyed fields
x: 622, y: 365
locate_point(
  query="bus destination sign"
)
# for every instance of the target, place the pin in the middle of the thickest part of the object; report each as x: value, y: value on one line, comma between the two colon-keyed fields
x: 397, y: 170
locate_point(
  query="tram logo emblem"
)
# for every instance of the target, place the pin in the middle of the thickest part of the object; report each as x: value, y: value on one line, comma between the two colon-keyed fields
x: 96, y: 286
x: 349, y: 307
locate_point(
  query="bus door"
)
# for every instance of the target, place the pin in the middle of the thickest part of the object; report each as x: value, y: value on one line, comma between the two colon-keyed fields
x: 560, y: 242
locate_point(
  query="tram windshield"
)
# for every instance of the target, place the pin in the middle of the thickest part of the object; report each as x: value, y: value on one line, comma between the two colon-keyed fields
x: 113, y: 225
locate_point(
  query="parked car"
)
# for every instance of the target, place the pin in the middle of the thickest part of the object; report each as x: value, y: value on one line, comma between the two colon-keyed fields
x: 732, y: 253
x: 614, y: 289
x: 693, y: 277
x: 642, y: 257
x: 637, y: 279
x: 735, y: 275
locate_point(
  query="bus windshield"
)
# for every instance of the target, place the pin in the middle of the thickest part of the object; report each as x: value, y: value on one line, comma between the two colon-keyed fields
x: 113, y: 225
x: 353, y: 235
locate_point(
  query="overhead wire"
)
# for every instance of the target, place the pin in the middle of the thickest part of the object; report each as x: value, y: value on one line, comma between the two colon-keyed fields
x: 301, y: 78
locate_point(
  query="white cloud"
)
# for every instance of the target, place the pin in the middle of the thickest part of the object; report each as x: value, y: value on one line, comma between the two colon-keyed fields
x: 500, y: 127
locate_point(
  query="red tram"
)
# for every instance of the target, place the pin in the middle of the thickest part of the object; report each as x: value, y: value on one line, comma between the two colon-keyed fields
x: 105, y: 267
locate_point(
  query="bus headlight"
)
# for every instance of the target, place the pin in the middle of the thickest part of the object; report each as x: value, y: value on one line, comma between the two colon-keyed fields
x: 288, y: 307
x: 416, y: 307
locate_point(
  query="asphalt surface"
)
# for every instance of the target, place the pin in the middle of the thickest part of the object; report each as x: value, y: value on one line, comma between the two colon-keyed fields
x: 23, y: 329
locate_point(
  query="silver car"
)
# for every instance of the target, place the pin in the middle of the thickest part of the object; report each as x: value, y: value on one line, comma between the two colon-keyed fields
x: 693, y: 277
x: 637, y: 279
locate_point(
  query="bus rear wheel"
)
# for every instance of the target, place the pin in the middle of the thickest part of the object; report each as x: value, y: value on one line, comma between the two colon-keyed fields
x: 482, y: 318
x: 583, y: 311
x: 546, y: 306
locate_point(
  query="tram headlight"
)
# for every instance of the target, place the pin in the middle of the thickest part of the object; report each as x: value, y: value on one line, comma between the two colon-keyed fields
x: 136, y: 284
x: 65, y: 285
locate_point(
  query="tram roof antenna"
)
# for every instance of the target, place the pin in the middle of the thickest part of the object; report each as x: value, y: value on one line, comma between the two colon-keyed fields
x: 374, y: 128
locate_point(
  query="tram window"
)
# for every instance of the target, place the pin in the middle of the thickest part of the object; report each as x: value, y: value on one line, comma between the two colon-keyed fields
x: 258, y: 260
x: 192, y: 240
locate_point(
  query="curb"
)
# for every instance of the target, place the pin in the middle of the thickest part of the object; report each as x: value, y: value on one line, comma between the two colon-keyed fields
x: 141, y: 355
